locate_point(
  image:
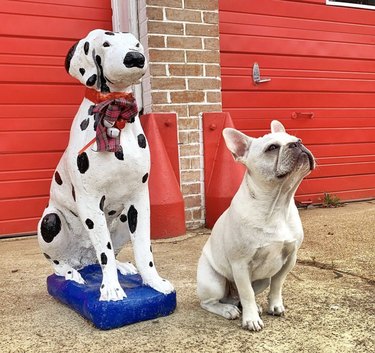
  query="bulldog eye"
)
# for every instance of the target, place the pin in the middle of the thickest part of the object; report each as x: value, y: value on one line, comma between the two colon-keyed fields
x: 106, y: 44
x: 272, y: 147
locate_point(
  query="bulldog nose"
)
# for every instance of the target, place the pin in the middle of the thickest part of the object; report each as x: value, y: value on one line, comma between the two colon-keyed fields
x: 134, y: 59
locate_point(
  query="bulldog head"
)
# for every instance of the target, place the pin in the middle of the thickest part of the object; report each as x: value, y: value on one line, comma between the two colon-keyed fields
x: 273, y: 158
x: 107, y: 61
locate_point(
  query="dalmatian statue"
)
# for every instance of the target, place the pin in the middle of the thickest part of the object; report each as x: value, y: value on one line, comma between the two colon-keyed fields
x: 99, y: 197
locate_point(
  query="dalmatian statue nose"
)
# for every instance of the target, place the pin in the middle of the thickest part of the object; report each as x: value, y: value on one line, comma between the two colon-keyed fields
x: 134, y: 59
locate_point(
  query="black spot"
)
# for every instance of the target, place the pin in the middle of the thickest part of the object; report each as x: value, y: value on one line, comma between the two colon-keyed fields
x: 50, y: 227
x: 86, y: 47
x: 102, y: 79
x: 56, y: 262
x: 145, y: 177
x: 82, y: 71
x: 109, y: 33
x: 69, y: 57
x: 101, y: 204
x: 132, y: 219
x: 123, y: 218
x: 151, y: 264
x: 111, y: 213
x: 102, y: 286
x: 96, y: 121
x: 83, y: 162
x: 73, y: 193
x: 141, y: 141
x: 90, y: 111
x: 137, y: 45
x: 103, y: 258
x: 58, y: 178
x: 98, y: 59
x: 106, y: 44
x: 69, y: 272
x: 47, y: 256
x: 84, y: 124
x: 150, y: 248
x: 119, y: 154
x: 89, y: 223
x: 91, y: 80
x: 109, y: 246
x: 74, y: 214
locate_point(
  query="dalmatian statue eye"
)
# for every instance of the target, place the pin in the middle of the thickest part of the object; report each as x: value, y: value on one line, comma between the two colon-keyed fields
x: 106, y: 44
x: 138, y: 45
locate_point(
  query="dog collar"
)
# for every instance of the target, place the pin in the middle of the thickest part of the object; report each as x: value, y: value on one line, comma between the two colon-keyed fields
x: 99, y: 97
x: 115, y: 107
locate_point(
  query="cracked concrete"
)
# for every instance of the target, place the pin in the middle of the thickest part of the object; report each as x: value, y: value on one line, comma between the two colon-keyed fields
x: 329, y: 298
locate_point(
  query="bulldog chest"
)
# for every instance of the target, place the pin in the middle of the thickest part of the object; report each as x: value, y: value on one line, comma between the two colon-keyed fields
x: 270, y: 258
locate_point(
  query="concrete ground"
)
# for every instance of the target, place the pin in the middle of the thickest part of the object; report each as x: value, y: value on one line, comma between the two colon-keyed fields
x: 329, y: 296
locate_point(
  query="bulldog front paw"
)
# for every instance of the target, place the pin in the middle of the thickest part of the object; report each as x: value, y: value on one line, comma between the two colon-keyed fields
x: 161, y: 285
x: 111, y: 293
x: 252, y: 324
x: 276, y: 310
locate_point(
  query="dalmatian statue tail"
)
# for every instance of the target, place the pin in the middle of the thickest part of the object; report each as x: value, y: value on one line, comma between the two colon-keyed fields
x: 99, y: 197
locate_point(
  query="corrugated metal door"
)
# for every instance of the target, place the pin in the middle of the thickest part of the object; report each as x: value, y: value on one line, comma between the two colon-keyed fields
x: 321, y: 61
x: 38, y: 99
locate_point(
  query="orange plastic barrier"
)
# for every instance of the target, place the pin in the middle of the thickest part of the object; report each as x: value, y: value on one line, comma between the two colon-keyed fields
x: 223, y: 175
x: 167, y: 204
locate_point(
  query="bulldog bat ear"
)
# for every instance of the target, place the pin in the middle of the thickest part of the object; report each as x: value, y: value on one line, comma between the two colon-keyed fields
x: 276, y: 126
x: 238, y: 143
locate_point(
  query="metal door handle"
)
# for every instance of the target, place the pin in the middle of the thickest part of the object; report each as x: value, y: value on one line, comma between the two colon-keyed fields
x: 302, y: 115
x: 256, y: 75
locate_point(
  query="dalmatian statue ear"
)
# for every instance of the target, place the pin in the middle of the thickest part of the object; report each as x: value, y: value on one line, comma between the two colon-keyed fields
x: 80, y: 63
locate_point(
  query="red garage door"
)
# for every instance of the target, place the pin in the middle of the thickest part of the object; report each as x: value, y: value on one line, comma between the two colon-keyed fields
x: 38, y: 99
x: 321, y: 61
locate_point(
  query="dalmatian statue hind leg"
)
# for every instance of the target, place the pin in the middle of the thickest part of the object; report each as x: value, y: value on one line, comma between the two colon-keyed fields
x: 99, y: 198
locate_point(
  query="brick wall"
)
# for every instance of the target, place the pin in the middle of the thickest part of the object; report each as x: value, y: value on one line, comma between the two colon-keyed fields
x: 182, y: 40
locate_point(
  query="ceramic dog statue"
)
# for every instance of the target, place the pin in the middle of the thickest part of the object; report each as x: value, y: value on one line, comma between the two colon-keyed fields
x: 254, y: 243
x: 99, y: 196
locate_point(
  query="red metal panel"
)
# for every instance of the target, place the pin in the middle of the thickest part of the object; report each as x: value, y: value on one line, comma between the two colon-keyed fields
x: 38, y: 99
x: 321, y: 63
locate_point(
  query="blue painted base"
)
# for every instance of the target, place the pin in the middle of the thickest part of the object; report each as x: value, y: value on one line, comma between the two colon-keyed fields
x: 142, y: 302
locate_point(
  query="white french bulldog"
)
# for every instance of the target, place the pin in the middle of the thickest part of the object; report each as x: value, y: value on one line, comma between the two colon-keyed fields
x: 254, y: 243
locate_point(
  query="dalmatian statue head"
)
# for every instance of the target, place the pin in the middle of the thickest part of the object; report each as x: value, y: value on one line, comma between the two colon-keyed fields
x: 107, y: 61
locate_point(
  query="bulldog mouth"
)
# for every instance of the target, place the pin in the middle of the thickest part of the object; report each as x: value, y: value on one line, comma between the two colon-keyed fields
x: 280, y: 176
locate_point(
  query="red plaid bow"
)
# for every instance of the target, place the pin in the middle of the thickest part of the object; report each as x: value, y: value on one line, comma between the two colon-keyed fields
x: 117, y: 112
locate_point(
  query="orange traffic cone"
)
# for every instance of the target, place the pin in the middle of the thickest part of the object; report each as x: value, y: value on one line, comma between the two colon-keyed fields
x: 223, y: 175
x: 167, y: 204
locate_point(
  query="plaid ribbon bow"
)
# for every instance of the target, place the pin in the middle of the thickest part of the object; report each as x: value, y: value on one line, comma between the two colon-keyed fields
x: 116, y: 111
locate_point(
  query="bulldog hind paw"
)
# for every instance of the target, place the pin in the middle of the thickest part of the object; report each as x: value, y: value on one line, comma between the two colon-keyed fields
x: 111, y: 293
x: 230, y: 312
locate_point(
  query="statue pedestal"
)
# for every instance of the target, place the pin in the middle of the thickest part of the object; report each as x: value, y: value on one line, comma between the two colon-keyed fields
x: 142, y: 302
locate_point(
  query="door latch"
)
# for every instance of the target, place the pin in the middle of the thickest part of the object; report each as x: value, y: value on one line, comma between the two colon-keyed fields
x: 256, y: 75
